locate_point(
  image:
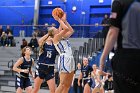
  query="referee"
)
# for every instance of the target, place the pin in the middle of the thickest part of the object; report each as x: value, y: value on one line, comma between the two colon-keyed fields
x: 125, y: 30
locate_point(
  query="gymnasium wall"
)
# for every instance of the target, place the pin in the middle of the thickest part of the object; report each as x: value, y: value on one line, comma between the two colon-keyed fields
x: 18, y: 12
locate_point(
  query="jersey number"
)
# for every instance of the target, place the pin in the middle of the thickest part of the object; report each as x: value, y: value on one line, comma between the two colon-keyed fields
x: 49, y: 54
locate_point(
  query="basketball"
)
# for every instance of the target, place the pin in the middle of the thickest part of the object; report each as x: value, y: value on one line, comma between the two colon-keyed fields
x: 58, y: 12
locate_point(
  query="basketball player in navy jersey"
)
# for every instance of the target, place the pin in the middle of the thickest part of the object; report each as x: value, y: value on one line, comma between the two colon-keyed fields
x: 66, y: 64
x: 85, y: 76
x: 45, y: 65
x: 23, y: 67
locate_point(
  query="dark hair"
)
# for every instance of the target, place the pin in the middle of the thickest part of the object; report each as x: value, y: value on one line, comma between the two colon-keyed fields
x: 109, y: 76
x: 23, y: 50
x: 24, y: 42
x: 23, y: 39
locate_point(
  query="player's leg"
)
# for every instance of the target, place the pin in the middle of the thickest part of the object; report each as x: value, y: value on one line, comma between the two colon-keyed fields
x: 28, y: 89
x: 51, y: 84
x: 37, y: 83
x: 19, y: 90
x: 65, y: 82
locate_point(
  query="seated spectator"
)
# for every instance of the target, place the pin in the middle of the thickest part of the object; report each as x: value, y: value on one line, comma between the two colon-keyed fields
x: 3, y: 39
x: 1, y: 30
x: 35, y: 33
x: 33, y: 42
x: 24, y: 43
x: 109, y: 85
x: 8, y: 30
x: 10, y: 39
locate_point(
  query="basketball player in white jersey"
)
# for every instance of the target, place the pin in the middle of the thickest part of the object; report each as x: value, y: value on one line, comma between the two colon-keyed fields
x: 97, y: 77
x: 66, y: 64
x: 98, y: 83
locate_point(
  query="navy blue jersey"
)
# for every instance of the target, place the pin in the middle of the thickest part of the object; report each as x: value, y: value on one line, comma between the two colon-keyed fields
x: 86, y: 71
x: 49, y: 54
x: 25, y: 65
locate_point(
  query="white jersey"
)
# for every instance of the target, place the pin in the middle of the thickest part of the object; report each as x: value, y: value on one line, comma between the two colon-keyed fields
x: 64, y: 47
x: 66, y: 60
x: 96, y: 76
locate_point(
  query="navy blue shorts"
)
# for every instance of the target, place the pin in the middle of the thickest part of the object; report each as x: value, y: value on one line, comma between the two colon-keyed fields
x: 22, y: 82
x: 44, y: 72
x: 87, y: 81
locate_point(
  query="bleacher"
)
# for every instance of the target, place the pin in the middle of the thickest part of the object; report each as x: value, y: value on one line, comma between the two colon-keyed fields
x: 8, y: 56
x: 91, y: 49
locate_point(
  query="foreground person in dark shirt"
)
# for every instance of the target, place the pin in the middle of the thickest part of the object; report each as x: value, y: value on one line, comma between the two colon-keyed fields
x: 125, y: 29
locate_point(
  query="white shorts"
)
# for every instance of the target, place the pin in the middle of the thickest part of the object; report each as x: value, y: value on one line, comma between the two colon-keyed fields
x: 98, y: 85
x: 66, y: 63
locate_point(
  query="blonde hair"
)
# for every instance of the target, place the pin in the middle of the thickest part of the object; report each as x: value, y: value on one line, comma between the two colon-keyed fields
x: 51, y: 34
x: 51, y: 31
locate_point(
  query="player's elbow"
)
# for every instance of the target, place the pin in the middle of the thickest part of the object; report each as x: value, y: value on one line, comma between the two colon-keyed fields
x: 40, y: 40
x: 113, y: 32
x: 14, y: 68
x: 72, y: 30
